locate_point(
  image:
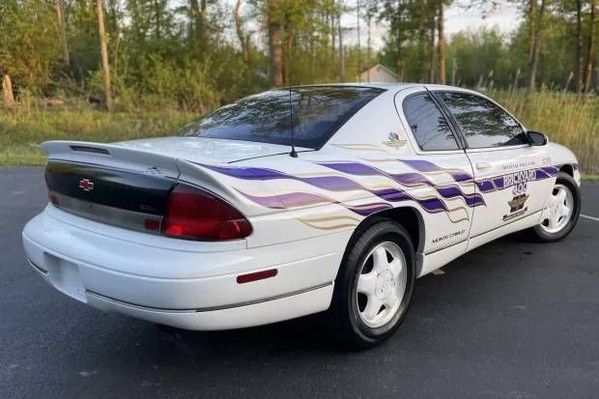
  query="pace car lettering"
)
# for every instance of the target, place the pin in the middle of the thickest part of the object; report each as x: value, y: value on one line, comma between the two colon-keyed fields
x: 519, y: 181
x: 518, y: 165
x: 505, y: 181
x: 519, y: 177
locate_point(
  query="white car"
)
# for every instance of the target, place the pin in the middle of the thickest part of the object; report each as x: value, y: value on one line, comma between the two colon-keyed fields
x: 297, y: 201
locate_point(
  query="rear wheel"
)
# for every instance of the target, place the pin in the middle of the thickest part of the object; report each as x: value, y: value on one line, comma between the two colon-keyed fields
x: 561, y: 212
x: 374, y: 286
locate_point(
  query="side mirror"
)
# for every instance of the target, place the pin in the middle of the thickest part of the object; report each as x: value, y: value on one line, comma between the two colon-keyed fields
x: 537, y: 138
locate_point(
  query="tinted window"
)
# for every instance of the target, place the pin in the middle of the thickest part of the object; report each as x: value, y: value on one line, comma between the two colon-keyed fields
x: 428, y: 124
x: 317, y: 113
x: 483, y: 123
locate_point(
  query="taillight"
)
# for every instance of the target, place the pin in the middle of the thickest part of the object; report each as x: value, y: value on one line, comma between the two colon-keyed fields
x: 195, y: 214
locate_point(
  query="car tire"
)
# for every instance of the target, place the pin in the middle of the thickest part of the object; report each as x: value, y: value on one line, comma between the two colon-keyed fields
x: 557, y: 222
x: 377, y: 268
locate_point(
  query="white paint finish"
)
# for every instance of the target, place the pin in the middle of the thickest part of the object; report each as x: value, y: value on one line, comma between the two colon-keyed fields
x: 506, y: 162
x: 206, y: 150
x: 517, y: 225
x: 372, y: 125
x: 114, y: 255
x: 435, y: 260
x: 310, y: 302
x: 305, y: 243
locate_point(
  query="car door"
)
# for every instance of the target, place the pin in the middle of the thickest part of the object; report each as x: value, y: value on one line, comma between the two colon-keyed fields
x: 447, y: 195
x: 505, y: 164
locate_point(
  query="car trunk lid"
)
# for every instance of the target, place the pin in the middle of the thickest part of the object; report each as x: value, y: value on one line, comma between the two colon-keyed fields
x: 206, y: 150
x: 109, y: 183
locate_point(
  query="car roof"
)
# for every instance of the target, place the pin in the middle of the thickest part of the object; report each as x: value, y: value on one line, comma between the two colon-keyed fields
x: 378, y: 85
x: 391, y: 86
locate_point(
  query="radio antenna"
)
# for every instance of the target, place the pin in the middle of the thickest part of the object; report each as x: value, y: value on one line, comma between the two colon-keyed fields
x: 293, y: 153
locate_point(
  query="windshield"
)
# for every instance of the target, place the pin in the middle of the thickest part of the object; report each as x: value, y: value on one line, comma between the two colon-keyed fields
x: 318, y: 112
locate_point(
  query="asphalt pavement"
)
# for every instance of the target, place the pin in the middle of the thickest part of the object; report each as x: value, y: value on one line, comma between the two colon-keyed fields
x: 509, y: 320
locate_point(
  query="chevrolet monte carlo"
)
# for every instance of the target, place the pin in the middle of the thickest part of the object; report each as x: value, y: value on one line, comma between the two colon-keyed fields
x: 297, y: 201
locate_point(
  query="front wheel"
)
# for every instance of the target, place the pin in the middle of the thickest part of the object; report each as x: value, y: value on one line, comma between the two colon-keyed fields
x: 561, y: 212
x: 374, y: 286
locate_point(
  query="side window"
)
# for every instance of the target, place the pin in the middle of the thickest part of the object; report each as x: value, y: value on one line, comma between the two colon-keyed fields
x: 427, y: 123
x: 483, y: 123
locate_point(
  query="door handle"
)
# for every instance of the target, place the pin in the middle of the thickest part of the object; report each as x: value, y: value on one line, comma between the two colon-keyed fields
x: 483, y: 165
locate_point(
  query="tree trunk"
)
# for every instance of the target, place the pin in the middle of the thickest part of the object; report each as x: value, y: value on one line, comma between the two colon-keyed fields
x: 534, y: 64
x: 591, y: 51
x: 9, y: 98
x: 286, y: 64
x: 441, y: 44
x: 157, y: 19
x: 333, y: 35
x: 368, y: 44
x: 399, y: 64
x: 200, y: 16
x: 578, y: 52
x: 59, y: 5
x: 431, y: 50
x: 274, y: 44
x: 358, y: 34
x: 104, y: 51
x: 341, y: 55
x: 239, y: 30
x: 532, y: 19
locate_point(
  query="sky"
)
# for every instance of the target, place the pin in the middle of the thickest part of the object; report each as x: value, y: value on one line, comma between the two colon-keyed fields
x: 504, y: 17
x: 458, y: 17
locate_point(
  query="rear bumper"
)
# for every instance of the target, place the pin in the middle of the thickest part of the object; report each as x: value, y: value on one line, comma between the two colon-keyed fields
x: 182, y: 287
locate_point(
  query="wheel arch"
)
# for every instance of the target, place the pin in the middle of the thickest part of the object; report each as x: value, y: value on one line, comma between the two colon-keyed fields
x: 407, y: 216
x: 567, y: 168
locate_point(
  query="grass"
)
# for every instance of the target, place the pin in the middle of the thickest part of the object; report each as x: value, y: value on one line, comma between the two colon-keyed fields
x: 22, y: 131
x: 594, y: 178
x: 565, y: 117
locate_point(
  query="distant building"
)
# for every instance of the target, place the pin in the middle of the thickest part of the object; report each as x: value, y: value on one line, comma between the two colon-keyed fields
x: 378, y: 73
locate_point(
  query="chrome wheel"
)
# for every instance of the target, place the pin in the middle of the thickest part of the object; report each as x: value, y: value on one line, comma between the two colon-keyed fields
x: 559, y: 209
x: 381, y: 284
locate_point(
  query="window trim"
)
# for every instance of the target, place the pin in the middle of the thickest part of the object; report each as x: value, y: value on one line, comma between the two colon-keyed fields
x: 436, y: 93
x: 416, y: 146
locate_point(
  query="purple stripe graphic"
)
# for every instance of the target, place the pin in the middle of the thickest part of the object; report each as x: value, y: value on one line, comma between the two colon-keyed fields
x: 288, y: 200
x: 365, y: 210
x: 340, y: 183
x: 426, y: 166
x: 300, y: 199
x: 405, y: 179
x: 332, y: 183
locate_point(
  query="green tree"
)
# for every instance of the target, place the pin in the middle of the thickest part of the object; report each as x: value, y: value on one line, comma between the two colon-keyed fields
x: 29, y: 49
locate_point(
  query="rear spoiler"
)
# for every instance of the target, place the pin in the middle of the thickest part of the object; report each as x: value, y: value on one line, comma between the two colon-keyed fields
x: 145, y: 162
x: 112, y: 155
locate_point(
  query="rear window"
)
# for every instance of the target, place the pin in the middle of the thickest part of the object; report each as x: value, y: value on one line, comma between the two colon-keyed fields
x: 317, y: 114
